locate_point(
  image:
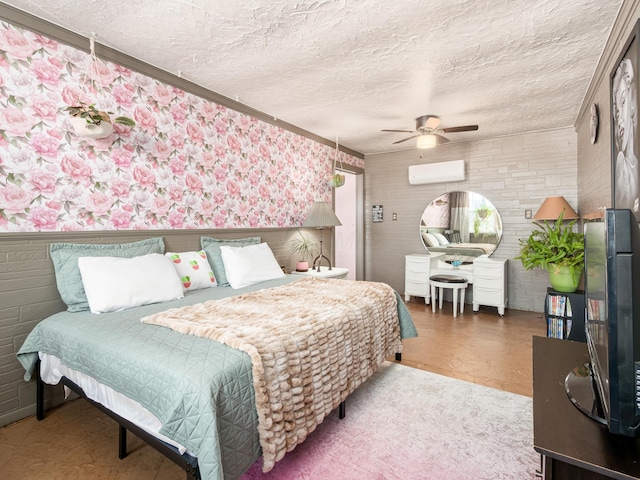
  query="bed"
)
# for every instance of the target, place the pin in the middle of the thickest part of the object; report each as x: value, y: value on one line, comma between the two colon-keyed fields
x: 193, y: 395
x: 453, y: 247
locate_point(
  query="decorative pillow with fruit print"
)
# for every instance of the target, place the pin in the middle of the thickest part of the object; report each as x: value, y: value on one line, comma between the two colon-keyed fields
x: 193, y: 269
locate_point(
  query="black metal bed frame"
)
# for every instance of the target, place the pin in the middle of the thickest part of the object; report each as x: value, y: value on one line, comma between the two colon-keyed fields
x: 184, y: 461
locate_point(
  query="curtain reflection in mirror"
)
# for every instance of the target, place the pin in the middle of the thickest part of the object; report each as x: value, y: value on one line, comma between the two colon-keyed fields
x: 460, y: 215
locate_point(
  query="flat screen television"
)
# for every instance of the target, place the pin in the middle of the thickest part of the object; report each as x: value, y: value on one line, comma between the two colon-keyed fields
x: 612, y: 322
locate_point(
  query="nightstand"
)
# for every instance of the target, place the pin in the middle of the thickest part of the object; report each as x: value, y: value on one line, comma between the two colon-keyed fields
x: 335, y: 272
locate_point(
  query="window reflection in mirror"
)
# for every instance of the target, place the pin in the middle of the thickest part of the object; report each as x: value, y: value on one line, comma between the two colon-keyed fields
x: 462, y: 225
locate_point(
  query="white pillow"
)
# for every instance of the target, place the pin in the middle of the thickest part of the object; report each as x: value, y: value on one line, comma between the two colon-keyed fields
x: 249, y: 265
x: 442, y: 240
x: 115, y: 283
x: 430, y: 240
x: 193, y: 269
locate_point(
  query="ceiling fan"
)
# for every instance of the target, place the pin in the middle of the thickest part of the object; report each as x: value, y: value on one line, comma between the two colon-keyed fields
x: 426, y: 128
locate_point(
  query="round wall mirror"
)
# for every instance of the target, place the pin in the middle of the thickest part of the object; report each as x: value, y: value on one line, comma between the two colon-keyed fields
x: 462, y: 225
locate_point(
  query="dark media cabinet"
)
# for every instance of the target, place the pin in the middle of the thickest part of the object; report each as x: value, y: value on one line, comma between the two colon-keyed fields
x: 573, y: 446
x: 564, y: 314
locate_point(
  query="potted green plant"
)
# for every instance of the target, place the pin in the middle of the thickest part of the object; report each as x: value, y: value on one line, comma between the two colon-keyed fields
x: 305, y: 249
x: 557, y: 249
x: 88, y: 121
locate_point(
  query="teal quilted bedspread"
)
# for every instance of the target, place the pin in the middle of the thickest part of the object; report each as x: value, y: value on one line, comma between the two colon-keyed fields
x: 200, y: 390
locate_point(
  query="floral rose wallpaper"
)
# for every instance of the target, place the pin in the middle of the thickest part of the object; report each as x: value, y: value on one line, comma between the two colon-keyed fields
x: 188, y: 162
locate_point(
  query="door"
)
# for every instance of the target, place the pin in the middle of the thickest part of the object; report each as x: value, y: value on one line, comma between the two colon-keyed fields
x: 348, y: 201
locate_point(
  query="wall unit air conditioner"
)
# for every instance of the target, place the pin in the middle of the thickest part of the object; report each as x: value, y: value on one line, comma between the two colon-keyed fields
x: 436, y: 172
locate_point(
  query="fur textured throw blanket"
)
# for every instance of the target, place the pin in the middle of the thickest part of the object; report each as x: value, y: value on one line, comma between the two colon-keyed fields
x: 312, y: 342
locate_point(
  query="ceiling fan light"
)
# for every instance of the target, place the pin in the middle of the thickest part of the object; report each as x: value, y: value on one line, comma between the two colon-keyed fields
x: 426, y: 141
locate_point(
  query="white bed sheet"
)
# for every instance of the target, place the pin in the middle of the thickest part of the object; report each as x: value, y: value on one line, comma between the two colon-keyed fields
x: 52, y: 370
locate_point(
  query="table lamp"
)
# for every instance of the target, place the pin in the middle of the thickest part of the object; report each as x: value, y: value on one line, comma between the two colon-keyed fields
x: 552, y: 208
x: 321, y: 216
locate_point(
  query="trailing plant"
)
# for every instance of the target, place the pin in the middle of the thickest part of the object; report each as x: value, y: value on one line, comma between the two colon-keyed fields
x: 481, y: 215
x: 551, y: 246
x: 93, y: 116
x: 484, y: 211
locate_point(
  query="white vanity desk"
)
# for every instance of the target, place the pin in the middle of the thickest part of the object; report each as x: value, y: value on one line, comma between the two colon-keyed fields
x: 488, y: 276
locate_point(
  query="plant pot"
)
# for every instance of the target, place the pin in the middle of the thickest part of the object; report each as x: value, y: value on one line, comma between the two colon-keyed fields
x: 302, y: 267
x: 84, y: 129
x: 336, y: 180
x: 564, y: 279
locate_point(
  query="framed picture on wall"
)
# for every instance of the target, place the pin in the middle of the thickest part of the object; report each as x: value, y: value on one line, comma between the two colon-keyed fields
x: 376, y: 213
x: 625, y: 171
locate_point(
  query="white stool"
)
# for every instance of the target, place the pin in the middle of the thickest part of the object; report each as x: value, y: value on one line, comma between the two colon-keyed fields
x: 448, y: 281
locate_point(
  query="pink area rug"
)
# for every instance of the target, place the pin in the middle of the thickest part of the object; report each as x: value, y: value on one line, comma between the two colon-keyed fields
x: 408, y: 424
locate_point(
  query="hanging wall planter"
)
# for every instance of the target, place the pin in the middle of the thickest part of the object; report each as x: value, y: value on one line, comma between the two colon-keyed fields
x: 337, y: 179
x: 90, y: 122
x: 87, y: 120
x: 84, y: 126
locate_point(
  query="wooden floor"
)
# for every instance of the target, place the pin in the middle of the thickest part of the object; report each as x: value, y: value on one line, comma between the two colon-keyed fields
x: 480, y: 347
x: 77, y: 441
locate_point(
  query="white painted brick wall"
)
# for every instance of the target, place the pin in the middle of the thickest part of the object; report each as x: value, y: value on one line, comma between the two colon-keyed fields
x: 515, y: 173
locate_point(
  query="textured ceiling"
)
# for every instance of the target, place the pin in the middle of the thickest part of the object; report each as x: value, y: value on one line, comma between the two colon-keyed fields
x: 350, y: 68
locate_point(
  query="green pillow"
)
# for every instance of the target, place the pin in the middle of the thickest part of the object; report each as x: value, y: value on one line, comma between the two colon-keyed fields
x: 211, y: 246
x: 65, y: 263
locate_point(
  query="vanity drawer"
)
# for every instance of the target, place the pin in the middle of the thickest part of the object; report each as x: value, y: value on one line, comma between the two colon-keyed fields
x: 485, y: 270
x: 416, y: 287
x: 489, y: 282
x: 417, y: 268
x: 488, y: 296
x: 416, y: 265
x: 416, y: 277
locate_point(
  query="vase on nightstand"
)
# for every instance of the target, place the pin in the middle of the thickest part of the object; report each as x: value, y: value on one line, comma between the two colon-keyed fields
x: 302, y: 266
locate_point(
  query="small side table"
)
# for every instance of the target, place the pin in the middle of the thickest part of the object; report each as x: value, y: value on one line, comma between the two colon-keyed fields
x: 335, y: 272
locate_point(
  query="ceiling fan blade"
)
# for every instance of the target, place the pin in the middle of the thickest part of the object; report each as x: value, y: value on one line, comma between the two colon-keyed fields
x: 466, y: 128
x: 401, y: 131
x: 440, y: 139
x: 405, y: 139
